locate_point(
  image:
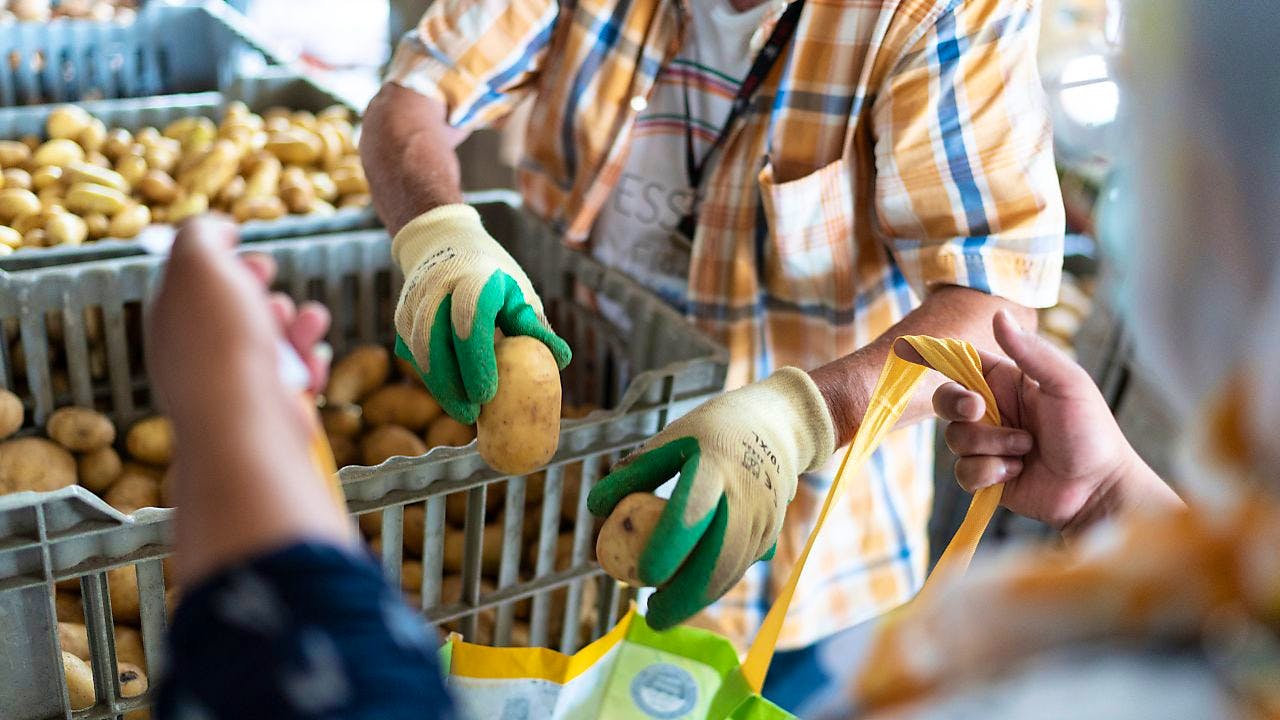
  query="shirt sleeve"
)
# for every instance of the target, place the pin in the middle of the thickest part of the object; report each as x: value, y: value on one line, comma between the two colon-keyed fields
x: 478, y: 57
x: 306, y: 632
x: 966, y: 187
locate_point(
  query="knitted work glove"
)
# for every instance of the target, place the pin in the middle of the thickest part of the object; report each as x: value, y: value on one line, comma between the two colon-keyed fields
x: 739, y: 457
x: 460, y: 284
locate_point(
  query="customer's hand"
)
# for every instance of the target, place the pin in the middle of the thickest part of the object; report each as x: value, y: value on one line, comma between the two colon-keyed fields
x: 459, y: 285
x: 243, y: 475
x: 739, y: 456
x: 1060, y: 454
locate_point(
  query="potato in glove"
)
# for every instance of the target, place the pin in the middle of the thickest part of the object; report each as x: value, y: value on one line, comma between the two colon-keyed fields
x: 460, y: 284
x: 739, y: 457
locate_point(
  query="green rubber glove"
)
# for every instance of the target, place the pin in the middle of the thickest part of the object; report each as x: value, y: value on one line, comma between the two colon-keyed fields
x: 459, y: 285
x: 739, y: 457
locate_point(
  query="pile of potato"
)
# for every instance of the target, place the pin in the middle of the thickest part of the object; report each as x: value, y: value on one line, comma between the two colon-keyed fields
x: 1062, y: 322
x: 85, y: 182
x: 121, y: 11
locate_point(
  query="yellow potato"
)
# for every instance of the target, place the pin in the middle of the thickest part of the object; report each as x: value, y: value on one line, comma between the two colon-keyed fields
x: 403, y: 405
x: 11, y: 413
x: 214, y: 170
x: 59, y: 151
x: 94, y: 136
x: 98, y: 469
x: 16, y: 203
x: 132, y: 492
x: 355, y: 201
x: 80, y: 429
x: 117, y: 143
x: 94, y: 198
x: 13, y: 153
x: 74, y: 638
x: 158, y: 187
x: 625, y: 534
x: 10, y: 238
x: 258, y: 208
x: 361, y: 372
x: 295, y: 146
x: 344, y: 420
x: 85, y: 173
x: 68, y: 606
x: 16, y: 178
x: 324, y: 186
x: 231, y: 192
x: 344, y: 450
x: 67, y: 121
x: 133, y: 168
x: 129, y: 221
x: 296, y: 190
x: 122, y: 584
x: 79, y: 681
x: 350, y: 180
x: 187, y: 206
x: 31, y: 463
x: 389, y: 441
x: 444, y: 431
x: 63, y: 228
x: 519, y: 429
x: 151, y: 441
x: 263, y: 176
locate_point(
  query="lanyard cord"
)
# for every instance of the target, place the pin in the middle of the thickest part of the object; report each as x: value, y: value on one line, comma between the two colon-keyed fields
x: 783, y: 30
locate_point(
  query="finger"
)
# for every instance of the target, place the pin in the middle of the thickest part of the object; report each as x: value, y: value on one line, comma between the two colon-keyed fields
x: 687, y: 592
x: 475, y: 313
x: 283, y: 310
x: 974, y: 438
x: 443, y: 377
x: 261, y: 265
x: 976, y: 472
x: 644, y: 472
x: 519, y: 318
x: 1056, y: 373
x: 904, y: 350
x: 684, y: 520
x: 954, y: 403
x: 309, y: 326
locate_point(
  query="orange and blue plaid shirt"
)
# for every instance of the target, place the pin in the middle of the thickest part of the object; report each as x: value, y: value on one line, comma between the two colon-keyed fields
x: 894, y: 147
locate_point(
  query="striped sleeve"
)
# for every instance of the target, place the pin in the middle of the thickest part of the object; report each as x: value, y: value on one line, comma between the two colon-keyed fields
x: 478, y: 57
x: 966, y: 188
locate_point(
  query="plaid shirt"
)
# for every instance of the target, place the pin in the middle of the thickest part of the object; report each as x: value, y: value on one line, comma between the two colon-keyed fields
x: 895, y: 146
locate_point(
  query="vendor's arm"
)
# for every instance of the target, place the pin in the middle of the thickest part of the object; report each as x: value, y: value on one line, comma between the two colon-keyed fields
x: 952, y: 312
x: 468, y: 63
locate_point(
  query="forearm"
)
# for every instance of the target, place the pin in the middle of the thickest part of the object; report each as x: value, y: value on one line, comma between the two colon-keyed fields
x: 950, y: 311
x: 407, y: 147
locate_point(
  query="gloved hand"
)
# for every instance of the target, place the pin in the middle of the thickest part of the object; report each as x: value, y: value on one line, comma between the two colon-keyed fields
x: 460, y: 284
x: 739, y: 457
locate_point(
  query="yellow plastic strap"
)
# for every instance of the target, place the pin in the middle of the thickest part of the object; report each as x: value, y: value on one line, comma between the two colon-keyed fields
x: 959, y: 361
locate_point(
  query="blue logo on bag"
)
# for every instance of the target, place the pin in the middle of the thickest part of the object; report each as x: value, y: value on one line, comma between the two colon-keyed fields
x: 664, y: 691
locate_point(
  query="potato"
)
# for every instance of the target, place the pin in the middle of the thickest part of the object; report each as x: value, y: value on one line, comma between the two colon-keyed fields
x: 264, y: 176
x: 59, y: 151
x: 296, y: 190
x: 79, y: 681
x: 13, y: 153
x: 625, y: 534
x: 93, y: 136
x: 117, y: 143
x: 151, y: 441
x: 16, y: 203
x: 414, y: 528
x: 158, y: 187
x: 258, y: 208
x: 10, y: 238
x: 444, y: 431
x: 214, y: 170
x: 519, y: 429
x: 344, y: 449
x: 74, y: 638
x: 295, y: 146
x: 149, y: 472
x: 63, y: 228
x: 67, y: 121
x: 68, y: 606
x: 122, y: 584
x: 98, y: 469
x: 389, y: 441
x: 11, y: 413
x: 324, y: 186
x: 404, y: 405
x: 455, y: 504
x: 87, y: 198
x: 133, y: 492
x: 185, y: 207
x: 31, y: 463
x: 355, y: 201
x: 16, y: 178
x: 133, y: 682
x: 129, y: 221
x: 362, y: 371
x: 350, y: 180
x: 344, y: 420
x: 85, y: 173
x: 80, y: 429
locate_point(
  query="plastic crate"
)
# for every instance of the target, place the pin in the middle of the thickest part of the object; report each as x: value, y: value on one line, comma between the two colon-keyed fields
x: 260, y: 92
x: 169, y: 49
x: 658, y: 369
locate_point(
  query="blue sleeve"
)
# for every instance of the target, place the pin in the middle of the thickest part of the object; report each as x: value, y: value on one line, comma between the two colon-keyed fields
x: 310, y: 631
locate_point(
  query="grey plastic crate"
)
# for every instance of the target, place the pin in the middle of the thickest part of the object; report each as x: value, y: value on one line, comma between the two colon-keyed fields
x: 195, y: 47
x: 280, y: 88
x: 661, y: 367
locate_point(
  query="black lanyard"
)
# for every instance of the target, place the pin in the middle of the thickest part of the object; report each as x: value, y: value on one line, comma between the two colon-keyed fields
x: 783, y: 30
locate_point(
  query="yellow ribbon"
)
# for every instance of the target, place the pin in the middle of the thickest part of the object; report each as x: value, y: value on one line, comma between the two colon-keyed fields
x: 959, y: 361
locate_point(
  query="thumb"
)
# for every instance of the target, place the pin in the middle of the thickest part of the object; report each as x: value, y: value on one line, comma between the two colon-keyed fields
x: 1056, y: 373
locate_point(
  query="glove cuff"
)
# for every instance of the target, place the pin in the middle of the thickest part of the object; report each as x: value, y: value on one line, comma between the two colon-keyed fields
x: 415, y: 241
x: 815, y: 433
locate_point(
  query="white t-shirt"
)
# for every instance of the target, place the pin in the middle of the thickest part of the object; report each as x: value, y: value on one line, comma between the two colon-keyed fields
x: 636, y: 229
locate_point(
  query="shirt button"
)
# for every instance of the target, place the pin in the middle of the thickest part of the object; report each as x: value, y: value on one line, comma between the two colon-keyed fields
x: 638, y: 103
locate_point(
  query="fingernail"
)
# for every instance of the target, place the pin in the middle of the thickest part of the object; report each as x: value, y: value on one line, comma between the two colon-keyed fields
x: 1012, y: 468
x: 1012, y: 320
x: 967, y: 407
x: 323, y: 352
